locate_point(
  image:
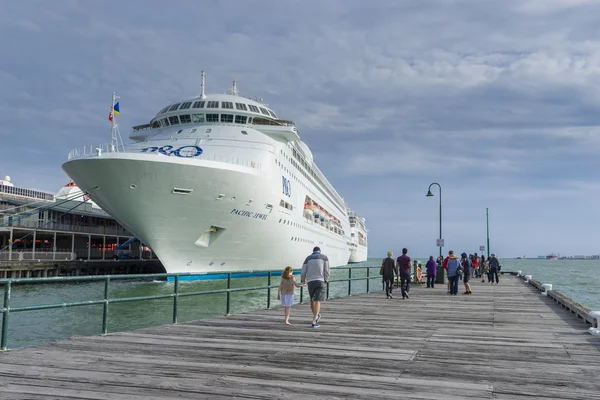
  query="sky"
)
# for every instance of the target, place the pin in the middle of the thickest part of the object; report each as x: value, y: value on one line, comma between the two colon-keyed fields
x: 497, y: 101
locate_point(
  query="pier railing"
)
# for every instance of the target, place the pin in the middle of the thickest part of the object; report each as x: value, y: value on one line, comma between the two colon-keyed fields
x: 175, y: 279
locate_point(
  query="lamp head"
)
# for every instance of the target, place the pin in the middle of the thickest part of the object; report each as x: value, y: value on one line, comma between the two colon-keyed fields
x: 429, y: 194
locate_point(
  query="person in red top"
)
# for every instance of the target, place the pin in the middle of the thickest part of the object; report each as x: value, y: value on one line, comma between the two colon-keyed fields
x: 403, y: 263
x: 475, y: 263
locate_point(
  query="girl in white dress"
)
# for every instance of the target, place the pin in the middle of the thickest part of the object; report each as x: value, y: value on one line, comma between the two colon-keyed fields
x: 285, y: 294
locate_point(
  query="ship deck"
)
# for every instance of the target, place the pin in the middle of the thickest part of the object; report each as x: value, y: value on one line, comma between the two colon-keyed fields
x: 505, y: 341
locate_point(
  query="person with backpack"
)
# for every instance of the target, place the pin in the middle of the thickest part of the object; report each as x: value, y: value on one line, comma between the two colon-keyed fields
x: 454, y: 269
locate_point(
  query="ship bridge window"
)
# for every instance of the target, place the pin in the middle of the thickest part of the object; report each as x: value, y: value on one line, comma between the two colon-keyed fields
x: 272, y: 114
x: 156, y: 124
x: 227, y: 104
x: 241, y: 106
x: 264, y: 111
x: 173, y: 119
x: 212, y: 117
x: 174, y: 107
x: 185, y: 119
x: 253, y: 108
x: 240, y: 119
x: 198, y: 104
x: 185, y: 105
x: 226, y: 117
x: 212, y: 104
x: 197, y: 118
x: 165, y: 121
x: 164, y: 110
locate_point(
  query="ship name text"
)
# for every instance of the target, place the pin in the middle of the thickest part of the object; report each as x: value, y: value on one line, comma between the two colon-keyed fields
x: 249, y: 214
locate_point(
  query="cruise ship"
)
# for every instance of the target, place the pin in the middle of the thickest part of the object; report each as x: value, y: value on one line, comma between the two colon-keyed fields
x: 219, y: 182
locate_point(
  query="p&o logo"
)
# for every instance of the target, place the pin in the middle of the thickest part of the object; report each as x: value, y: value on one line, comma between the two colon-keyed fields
x: 168, y: 150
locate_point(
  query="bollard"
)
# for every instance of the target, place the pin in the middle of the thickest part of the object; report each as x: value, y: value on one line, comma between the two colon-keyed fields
x: 546, y: 287
x: 595, y: 329
x: 527, y: 278
x: 518, y: 273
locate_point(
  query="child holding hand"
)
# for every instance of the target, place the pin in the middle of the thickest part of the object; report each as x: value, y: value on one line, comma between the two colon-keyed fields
x: 285, y: 293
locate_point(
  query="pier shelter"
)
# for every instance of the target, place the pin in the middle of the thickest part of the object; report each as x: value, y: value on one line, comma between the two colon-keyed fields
x: 39, y: 225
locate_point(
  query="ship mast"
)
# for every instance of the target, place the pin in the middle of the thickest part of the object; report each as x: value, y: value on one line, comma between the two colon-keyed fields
x: 203, y: 95
x: 115, y: 135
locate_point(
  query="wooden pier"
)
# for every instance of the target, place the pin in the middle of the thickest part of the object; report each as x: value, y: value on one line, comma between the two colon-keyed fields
x: 505, y: 341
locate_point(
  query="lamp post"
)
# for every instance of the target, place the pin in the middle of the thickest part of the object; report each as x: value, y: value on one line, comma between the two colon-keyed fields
x: 487, y: 225
x: 429, y: 194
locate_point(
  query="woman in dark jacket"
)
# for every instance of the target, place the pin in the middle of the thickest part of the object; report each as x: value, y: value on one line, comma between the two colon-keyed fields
x: 431, y: 268
x: 388, y: 268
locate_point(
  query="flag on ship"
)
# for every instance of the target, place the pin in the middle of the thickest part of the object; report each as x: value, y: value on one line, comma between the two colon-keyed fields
x: 113, y: 111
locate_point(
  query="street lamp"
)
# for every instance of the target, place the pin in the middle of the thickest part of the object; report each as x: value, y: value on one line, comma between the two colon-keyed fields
x: 429, y: 194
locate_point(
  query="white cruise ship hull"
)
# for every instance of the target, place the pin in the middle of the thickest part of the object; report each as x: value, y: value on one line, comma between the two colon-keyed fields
x: 358, y: 254
x: 201, y: 216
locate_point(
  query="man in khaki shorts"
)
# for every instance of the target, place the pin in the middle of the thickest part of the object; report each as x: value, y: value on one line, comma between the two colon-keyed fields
x: 315, y: 271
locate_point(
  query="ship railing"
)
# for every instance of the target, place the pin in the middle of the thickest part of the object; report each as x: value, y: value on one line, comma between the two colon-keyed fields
x: 354, y: 280
x: 90, y: 151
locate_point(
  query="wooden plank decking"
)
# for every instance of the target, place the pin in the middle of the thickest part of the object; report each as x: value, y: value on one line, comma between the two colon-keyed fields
x: 504, y: 342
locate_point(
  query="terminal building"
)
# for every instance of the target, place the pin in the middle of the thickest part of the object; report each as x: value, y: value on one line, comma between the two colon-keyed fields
x: 38, y: 225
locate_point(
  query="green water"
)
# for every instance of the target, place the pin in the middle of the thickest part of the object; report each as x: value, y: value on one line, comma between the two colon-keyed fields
x: 579, y: 280
x: 28, y: 328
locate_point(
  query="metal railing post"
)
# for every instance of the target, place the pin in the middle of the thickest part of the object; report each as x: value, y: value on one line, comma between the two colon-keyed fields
x: 368, y: 269
x: 5, y: 313
x: 175, y: 298
x: 301, y: 293
x: 228, y: 307
x: 269, y: 290
x: 105, y: 309
x: 327, y: 290
x: 349, y: 281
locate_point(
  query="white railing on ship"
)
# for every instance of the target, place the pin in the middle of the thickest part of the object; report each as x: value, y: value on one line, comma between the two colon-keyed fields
x: 92, y: 150
x: 106, y: 148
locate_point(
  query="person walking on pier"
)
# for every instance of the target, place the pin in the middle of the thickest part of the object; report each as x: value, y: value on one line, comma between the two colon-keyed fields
x: 403, y: 263
x: 315, y: 272
x: 285, y: 293
x: 431, y: 268
x: 453, y: 265
x: 467, y: 268
x: 475, y: 264
x: 494, y: 266
x: 388, y: 268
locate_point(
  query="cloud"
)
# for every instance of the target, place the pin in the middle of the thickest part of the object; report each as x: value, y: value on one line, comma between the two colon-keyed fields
x: 496, y: 101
